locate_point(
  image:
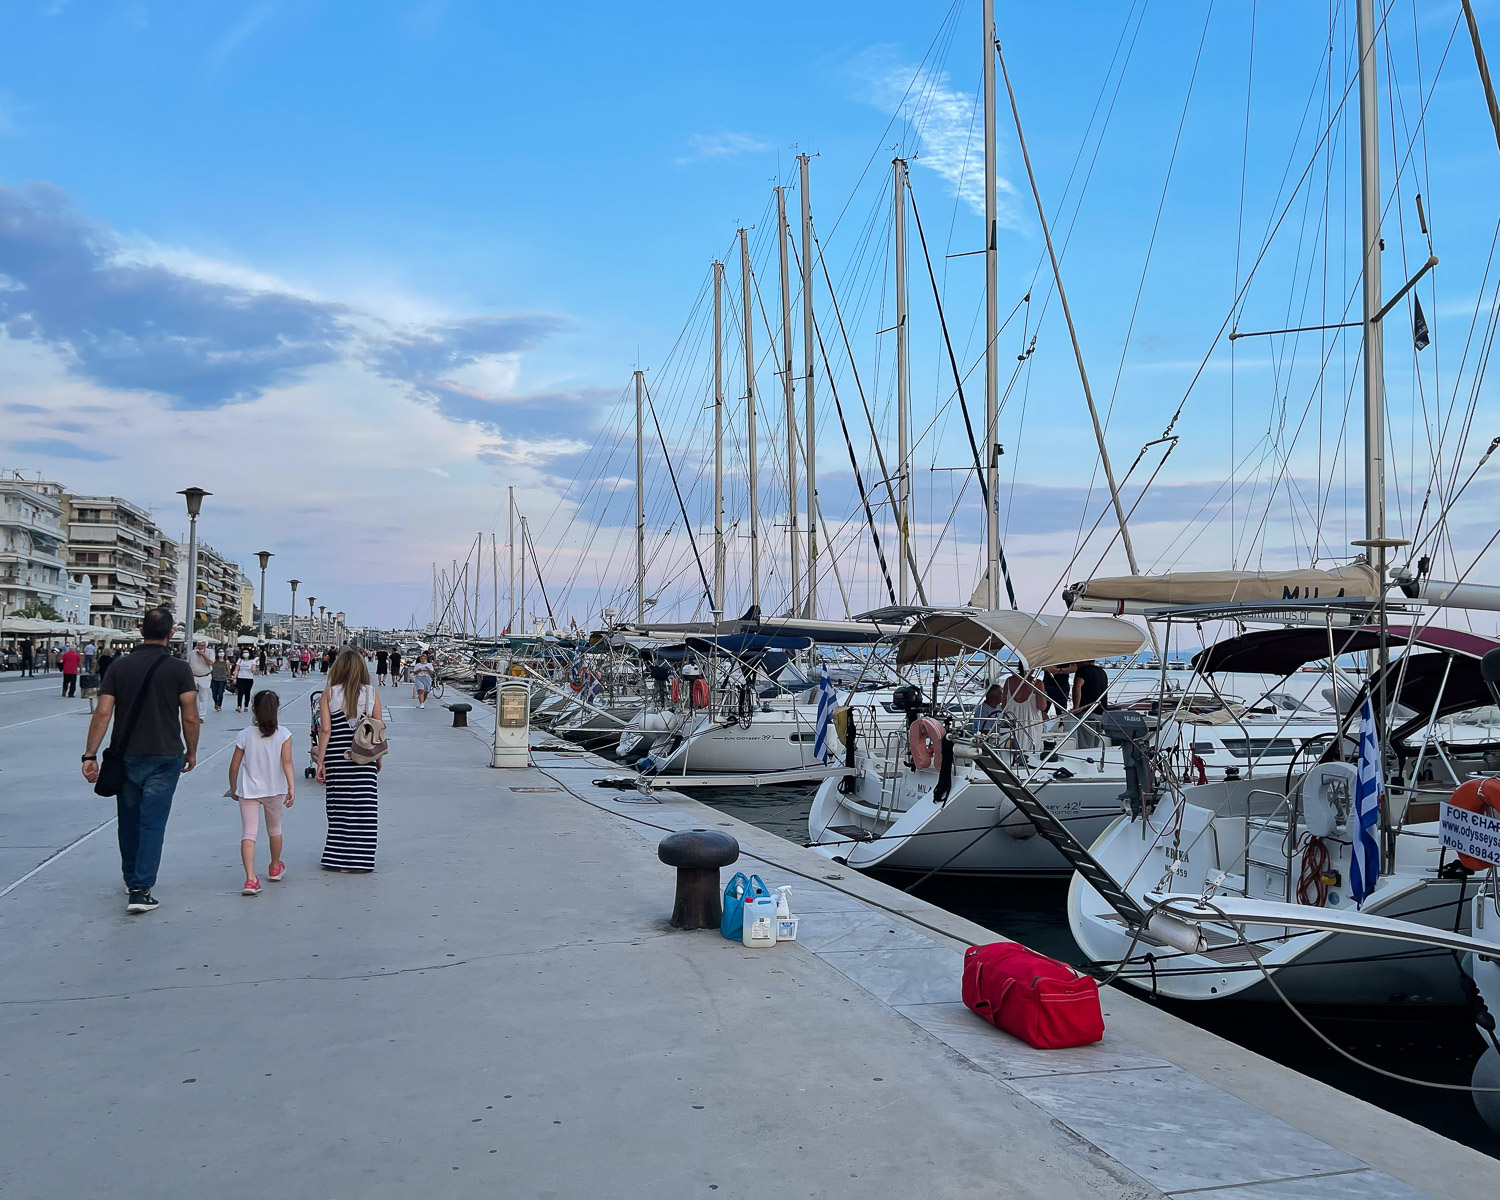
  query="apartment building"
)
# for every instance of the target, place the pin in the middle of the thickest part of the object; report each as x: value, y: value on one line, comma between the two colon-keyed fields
x: 219, y: 584
x: 32, y: 557
x: 115, y: 544
x: 163, y: 579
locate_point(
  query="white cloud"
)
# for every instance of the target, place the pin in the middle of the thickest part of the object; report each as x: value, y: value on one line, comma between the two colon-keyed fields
x: 943, y: 125
x: 721, y: 145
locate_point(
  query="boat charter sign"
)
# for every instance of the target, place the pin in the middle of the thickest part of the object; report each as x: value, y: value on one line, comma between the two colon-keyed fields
x: 1471, y: 833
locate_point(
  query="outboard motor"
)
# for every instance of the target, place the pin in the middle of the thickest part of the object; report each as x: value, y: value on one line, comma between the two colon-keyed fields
x: 908, y: 699
x: 1126, y: 729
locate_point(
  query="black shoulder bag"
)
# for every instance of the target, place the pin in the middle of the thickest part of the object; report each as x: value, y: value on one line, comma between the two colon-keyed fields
x: 112, y: 763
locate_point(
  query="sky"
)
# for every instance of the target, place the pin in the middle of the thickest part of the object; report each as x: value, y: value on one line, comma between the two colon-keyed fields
x: 359, y: 268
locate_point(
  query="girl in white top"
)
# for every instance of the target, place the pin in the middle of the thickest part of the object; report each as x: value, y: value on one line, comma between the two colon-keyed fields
x: 261, y: 776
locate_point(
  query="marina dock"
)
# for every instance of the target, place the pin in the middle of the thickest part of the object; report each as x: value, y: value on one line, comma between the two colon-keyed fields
x: 501, y: 1009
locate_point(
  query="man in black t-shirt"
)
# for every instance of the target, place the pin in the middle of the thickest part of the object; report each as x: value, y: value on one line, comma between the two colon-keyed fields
x: 1090, y: 697
x: 381, y: 657
x: 162, y: 747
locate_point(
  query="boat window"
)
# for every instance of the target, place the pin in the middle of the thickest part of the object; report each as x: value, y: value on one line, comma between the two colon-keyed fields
x: 1204, y: 747
x: 803, y: 737
x: 1260, y: 747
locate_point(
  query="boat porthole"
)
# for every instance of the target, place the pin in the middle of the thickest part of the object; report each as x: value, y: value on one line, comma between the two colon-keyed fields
x: 1213, y: 991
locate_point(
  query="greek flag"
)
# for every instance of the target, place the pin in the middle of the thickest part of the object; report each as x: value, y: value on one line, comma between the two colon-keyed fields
x: 826, y: 697
x: 1364, y: 858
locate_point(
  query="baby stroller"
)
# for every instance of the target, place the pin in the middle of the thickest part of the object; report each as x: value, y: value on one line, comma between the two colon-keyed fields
x: 311, y: 770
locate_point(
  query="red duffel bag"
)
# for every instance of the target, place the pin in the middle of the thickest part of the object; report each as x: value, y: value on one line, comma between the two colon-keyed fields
x: 1043, y: 1002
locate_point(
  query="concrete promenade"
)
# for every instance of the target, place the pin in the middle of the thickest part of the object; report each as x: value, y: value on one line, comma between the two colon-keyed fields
x: 500, y: 1010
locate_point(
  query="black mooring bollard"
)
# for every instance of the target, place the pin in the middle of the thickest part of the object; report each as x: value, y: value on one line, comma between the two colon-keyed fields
x: 698, y: 854
x: 460, y: 712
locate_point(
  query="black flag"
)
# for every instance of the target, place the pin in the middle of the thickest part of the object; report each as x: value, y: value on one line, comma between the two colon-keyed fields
x: 1419, y: 327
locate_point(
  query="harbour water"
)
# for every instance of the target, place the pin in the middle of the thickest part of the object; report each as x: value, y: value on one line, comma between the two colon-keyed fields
x: 1438, y: 1047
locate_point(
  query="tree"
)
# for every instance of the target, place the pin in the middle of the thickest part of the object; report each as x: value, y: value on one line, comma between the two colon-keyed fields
x: 40, y: 610
x: 229, y: 620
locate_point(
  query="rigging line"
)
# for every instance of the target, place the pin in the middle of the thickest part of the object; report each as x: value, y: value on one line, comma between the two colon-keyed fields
x: 686, y: 524
x: 989, y: 507
x: 540, y: 582
x: 875, y: 436
x: 1239, y: 241
x: 859, y: 481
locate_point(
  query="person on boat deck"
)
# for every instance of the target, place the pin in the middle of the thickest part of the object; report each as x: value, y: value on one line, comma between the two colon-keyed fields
x: 1056, y: 682
x: 987, y: 712
x: 1025, y: 706
x: 1090, y: 697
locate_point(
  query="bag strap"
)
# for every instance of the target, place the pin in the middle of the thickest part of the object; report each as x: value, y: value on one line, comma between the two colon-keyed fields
x: 134, y: 715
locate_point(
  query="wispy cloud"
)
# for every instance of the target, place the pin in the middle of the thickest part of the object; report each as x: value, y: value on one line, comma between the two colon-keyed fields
x: 942, y: 125
x: 59, y: 448
x: 702, y: 146
x: 236, y: 34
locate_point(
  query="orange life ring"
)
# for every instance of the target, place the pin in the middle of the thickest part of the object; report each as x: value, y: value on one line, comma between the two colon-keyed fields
x: 925, y: 737
x: 676, y: 690
x: 700, y: 693
x: 1477, y: 796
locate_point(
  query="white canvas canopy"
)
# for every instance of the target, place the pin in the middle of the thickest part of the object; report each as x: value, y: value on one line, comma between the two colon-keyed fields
x: 1141, y: 593
x: 1037, y: 639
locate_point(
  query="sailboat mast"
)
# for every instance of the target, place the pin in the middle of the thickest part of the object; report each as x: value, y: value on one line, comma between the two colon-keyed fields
x: 640, y: 500
x: 746, y: 327
x: 718, y: 436
x: 1374, y: 381
x: 510, y: 622
x: 903, y: 447
x: 809, y: 438
x: 991, y: 320
x: 789, y: 391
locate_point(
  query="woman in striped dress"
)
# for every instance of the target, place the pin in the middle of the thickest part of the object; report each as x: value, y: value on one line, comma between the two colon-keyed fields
x: 353, y: 803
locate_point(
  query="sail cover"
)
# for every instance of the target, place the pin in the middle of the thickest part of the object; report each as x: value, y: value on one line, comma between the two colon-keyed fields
x: 1037, y: 639
x: 1137, y: 593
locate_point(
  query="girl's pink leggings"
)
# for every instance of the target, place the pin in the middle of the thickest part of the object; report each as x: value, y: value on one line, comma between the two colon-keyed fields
x: 250, y: 816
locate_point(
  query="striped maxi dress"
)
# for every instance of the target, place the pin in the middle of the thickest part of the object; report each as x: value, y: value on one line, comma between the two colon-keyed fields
x: 353, y: 802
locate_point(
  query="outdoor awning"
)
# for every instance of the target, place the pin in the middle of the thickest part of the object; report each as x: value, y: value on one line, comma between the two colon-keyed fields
x: 1137, y: 593
x: 1037, y: 639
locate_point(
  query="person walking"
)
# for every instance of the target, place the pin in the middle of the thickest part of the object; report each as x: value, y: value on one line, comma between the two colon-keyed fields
x: 28, y: 659
x: 306, y: 660
x: 201, y: 663
x: 70, y: 662
x: 262, y: 778
x: 218, y: 681
x: 422, y: 678
x: 158, y: 739
x: 89, y: 653
x: 395, y: 668
x: 262, y: 660
x: 102, y: 662
x: 381, y: 659
x: 352, y: 795
x: 244, y: 680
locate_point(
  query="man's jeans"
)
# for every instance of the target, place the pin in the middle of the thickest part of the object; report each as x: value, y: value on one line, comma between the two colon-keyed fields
x: 143, y: 804
x: 70, y: 685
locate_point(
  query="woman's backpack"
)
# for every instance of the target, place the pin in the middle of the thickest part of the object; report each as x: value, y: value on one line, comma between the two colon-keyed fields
x: 369, y: 742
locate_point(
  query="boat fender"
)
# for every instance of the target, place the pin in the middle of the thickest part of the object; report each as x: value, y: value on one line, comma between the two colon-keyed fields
x: 1177, y: 933
x: 1480, y: 796
x: 1014, y: 821
x: 925, y: 737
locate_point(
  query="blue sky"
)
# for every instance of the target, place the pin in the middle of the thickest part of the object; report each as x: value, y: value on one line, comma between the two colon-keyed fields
x: 357, y: 267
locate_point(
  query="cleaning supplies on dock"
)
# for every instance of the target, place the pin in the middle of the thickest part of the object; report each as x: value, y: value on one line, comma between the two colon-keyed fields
x: 737, y: 892
x: 786, y: 924
x: 759, y: 924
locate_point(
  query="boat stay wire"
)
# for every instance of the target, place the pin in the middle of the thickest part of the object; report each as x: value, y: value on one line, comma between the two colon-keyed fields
x: 687, y: 523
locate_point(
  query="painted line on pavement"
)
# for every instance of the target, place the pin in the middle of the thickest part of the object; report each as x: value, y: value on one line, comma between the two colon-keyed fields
x: 65, y: 713
x: 48, y: 861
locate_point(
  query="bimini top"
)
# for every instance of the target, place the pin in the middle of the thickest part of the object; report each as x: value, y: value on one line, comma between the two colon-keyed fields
x: 1037, y: 639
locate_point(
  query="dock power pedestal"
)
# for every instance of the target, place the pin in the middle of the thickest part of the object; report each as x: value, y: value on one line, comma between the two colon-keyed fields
x: 512, y: 724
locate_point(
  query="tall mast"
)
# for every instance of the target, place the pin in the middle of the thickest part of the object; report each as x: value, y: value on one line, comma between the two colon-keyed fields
x: 718, y: 436
x: 523, y: 573
x: 789, y: 391
x: 640, y: 500
x: 510, y: 622
x: 1369, y: 162
x: 746, y: 325
x: 903, y: 448
x: 809, y: 438
x: 991, y: 321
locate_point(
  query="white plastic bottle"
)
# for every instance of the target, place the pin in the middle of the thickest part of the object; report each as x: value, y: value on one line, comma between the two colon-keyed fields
x: 760, y: 921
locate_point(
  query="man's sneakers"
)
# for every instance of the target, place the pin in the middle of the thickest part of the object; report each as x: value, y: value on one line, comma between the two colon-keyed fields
x: 251, y: 888
x: 277, y: 872
x: 141, y: 901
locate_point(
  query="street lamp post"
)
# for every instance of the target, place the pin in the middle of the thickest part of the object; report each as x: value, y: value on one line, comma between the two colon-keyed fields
x: 194, y: 497
x: 293, y: 621
x: 265, y: 556
x: 323, y: 623
x: 312, y: 620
